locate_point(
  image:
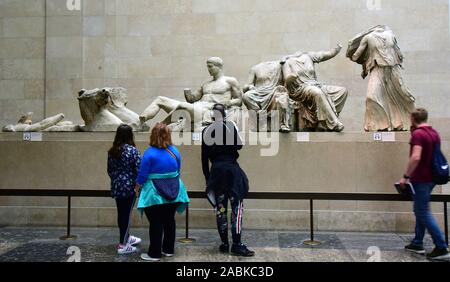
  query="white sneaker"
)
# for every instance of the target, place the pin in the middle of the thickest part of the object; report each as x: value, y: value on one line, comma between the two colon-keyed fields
x: 146, y: 257
x: 167, y: 255
x: 133, y: 241
x: 126, y: 249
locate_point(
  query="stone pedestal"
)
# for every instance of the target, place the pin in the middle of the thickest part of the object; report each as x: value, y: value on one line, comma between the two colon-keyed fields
x: 329, y: 162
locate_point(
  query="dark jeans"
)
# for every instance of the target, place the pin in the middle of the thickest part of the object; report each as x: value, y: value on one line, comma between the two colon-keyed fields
x: 162, y: 222
x: 424, y: 217
x: 124, y: 210
x: 237, y: 210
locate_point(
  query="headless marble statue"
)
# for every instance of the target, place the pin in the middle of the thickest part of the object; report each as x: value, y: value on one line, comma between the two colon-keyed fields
x: 265, y: 92
x: 322, y: 103
x: 389, y: 102
x: 54, y: 123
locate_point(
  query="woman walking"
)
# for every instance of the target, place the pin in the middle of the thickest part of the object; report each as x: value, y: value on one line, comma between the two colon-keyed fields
x: 123, y: 165
x: 161, y: 192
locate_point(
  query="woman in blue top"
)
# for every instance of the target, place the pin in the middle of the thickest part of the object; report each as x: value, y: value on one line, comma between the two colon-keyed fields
x: 161, y: 192
x: 123, y: 164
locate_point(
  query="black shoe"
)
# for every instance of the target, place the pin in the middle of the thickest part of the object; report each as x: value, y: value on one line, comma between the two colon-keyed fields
x: 415, y: 249
x: 241, y: 250
x: 224, y: 248
x: 439, y: 255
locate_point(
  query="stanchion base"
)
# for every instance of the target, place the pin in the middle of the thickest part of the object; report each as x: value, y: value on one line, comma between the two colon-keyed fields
x: 68, y: 238
x: 312, y: 243
x: 186, y: 240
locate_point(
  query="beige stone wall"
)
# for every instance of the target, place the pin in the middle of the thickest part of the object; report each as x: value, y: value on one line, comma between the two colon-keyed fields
x: 22, y: 49
x: 159, y: 47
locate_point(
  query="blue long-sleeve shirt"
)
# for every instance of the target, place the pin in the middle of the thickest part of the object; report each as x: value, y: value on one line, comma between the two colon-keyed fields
x: 157, y: 160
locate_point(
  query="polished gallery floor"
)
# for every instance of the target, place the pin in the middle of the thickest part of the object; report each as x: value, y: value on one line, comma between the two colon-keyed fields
x: 98, y: 245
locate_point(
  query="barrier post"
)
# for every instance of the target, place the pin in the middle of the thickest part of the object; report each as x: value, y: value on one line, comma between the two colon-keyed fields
x: 186, y: 239
x: 446, y: 221
x: 68, y: 235
x: 311, y: 242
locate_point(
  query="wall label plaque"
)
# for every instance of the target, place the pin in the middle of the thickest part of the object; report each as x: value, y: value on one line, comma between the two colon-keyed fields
x: 303, y: 137
x: 32, y: 137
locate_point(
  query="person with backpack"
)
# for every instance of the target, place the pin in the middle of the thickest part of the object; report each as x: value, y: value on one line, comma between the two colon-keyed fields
x: 161, y: 192
x: 225, y: 180
x: 426, y: 168
x: 123, y: 165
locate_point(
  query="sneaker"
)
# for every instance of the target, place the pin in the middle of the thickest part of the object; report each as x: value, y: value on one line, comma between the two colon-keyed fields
x: 126, y: 249
x: 133, y: 241
x: 167, y: 255
x: 224, y: 248
x: 415, y: 249
x: 439, y: 255
x: 242, y: 251
x: 146, y: 257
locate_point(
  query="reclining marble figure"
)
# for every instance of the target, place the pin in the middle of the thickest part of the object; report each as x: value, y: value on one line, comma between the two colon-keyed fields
x: 54, y: 123
x: 322, y: 103
x: 105, y: 109
x: 265, y: 92
x: 221, y: 89
x: 389, y: 102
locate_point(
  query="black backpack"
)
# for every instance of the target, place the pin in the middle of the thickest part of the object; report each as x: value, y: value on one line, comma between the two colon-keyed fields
x: 439, y: 164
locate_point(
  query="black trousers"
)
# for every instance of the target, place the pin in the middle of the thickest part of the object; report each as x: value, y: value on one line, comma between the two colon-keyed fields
x: 162, y: 224
x: 124, y: 210
x: 237, y: 210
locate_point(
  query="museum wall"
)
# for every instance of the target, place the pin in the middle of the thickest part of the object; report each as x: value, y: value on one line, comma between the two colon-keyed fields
x: 48, y: 52
x: 22, y: 59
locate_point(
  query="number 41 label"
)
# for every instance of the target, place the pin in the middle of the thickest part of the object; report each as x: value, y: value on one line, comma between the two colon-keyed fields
x: 384, y: 137
x: 377, y: 137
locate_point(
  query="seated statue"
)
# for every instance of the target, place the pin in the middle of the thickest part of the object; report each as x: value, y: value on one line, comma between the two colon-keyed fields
x: 105, y: 109
x: 54, y: 123
x: 321, y: 103
x: 265, y: 92
x: 221, y: 89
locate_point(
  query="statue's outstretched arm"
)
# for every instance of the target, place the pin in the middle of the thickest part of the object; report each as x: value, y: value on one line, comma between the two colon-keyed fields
x: 322, y: 56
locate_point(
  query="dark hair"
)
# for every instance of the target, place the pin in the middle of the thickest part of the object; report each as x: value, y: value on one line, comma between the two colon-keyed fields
x: 124, y: 135
x: 161, y: 136
x: 420, y: 115
x: 221, y: 109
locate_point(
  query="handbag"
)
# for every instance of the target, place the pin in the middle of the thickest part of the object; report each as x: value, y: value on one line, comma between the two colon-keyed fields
x: 168, y: 188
